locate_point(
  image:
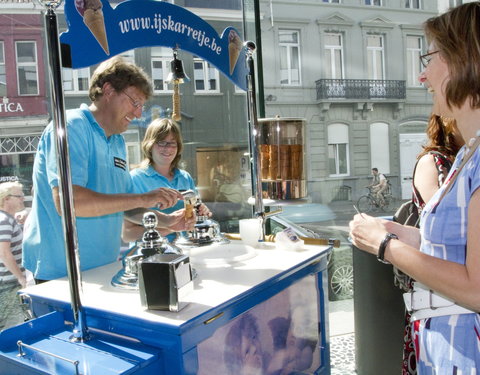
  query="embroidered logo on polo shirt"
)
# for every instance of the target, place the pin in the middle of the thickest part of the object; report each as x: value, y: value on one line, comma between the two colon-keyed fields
x: 120, y: 163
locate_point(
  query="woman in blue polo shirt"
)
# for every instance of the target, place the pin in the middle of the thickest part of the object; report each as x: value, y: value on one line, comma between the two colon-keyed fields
x: 162, y: 150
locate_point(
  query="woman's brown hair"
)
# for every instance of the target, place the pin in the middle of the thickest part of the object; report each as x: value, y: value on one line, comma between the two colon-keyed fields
x: 442, y: 136
x: 456, y: 35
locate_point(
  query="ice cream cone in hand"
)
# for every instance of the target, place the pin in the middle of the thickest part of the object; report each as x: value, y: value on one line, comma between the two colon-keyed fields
x: 235, y: 45
x: 188, y: 210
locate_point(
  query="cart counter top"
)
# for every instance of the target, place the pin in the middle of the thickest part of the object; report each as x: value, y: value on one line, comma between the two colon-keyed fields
x: 225, y: 272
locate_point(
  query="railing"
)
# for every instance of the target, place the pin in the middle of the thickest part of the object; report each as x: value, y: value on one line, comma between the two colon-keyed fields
x: 360, y: 89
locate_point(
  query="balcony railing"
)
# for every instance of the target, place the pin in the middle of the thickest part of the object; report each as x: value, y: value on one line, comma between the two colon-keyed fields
x: 360, y: 89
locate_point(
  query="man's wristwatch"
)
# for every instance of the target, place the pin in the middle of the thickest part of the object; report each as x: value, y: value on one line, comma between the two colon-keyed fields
x: 383, y: 247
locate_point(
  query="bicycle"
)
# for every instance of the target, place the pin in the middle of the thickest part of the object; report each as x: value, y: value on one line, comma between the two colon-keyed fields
x: 369, y: 202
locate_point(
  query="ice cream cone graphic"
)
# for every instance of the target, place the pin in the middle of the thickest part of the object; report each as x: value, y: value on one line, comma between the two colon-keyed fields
x: 234, y: 47
x: 95, y: 23
x: 91, y: 11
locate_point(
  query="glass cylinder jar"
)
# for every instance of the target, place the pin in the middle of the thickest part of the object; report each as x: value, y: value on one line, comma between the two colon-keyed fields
x: 281, y: 145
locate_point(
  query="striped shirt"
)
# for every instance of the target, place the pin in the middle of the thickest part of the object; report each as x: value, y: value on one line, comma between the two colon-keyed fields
x: 10, y: 231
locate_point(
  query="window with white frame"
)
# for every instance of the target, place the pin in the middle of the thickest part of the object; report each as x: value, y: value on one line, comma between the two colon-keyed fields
x: 76, y: 80
x: 373, y: 2
x: 375, y: 57
x: 414, y: 66
x: 413, y: 4
x: 333, y: 56
x: 206, y: 77
x: 380, y: 147
x: 338, y: 161
x: 161, y: 58
x: 289, y: 43
x: 27, y: 68
x: 16, y: 160
x: 332, y: 1
x: 3, y: 75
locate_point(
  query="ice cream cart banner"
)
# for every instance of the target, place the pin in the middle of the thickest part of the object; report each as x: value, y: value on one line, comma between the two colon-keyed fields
x: 96, y: 32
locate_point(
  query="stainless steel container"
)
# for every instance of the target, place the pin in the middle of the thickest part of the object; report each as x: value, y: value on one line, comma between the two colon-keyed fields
x: 165, y: 280
x: 152, y: 243
x: 281, y: 145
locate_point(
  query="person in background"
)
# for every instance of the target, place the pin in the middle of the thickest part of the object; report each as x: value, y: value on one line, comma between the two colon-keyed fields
x: 102, y: 186
x: 162, y: 149
x: 444, y: 255
x: 431, y: 169
x: 12, y: 274
x: 378, y: 186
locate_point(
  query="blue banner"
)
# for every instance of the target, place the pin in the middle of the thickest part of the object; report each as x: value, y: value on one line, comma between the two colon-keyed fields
x: 96, y: 32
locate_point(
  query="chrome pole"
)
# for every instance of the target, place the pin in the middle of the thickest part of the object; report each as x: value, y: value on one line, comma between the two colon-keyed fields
x: 254, y: 136
x: 80, y: 330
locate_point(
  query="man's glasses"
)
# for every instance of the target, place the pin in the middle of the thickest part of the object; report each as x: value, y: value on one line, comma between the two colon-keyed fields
x: 425, y: 59
x: 135, y: 103
x: 16, y: 196
x: 164, y: 144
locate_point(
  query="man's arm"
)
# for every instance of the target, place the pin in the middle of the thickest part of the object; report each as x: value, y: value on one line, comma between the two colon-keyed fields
x: 132, y: 232
x: 382, y: 182
x: 89, y: 203
x: 9, y: 261
x: 166, y: 223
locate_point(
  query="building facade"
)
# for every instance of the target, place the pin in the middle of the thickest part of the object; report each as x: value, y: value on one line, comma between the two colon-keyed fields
x: 350, y: 68
x: 23, y: 92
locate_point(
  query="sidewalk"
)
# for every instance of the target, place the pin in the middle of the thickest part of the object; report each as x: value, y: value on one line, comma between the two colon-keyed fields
x: 342, y: 337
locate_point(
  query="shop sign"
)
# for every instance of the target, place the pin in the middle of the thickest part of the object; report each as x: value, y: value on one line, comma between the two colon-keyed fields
x: 8, y: 179
x: 10, y: 107
x: 108, y: 31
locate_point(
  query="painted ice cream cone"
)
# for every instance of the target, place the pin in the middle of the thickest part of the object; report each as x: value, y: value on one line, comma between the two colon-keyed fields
x: 91, y: 11
x: 96, y: 24
x: 235, y: 45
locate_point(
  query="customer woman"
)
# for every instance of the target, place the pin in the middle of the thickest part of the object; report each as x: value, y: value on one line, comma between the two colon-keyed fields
x: 447, y: 267
x: 431, y: 169
x: 162, y: 149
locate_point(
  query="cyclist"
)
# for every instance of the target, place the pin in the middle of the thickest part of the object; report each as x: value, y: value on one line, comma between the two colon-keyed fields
x: 378, y: 186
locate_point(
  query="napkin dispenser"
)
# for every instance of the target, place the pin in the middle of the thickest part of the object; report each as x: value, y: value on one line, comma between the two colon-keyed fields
x: 164, y: 281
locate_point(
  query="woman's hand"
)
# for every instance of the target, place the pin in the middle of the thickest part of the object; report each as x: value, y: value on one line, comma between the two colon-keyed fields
x: 367, y: 232
x: 204, y: 211
x: 178, y: 223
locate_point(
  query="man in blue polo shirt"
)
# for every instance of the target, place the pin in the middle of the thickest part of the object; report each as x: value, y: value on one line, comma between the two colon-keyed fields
x: 102, y: 187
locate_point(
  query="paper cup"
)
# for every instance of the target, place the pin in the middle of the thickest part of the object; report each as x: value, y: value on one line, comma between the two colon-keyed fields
x: 250, y: 231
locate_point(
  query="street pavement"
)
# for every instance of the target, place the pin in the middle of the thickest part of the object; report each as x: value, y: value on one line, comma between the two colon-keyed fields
x: 342, y: 337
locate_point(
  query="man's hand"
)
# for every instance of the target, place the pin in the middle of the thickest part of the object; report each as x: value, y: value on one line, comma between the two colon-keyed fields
x: 161, y: 198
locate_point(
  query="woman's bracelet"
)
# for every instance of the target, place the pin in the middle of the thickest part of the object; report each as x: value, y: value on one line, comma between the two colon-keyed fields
x: 383, y: 247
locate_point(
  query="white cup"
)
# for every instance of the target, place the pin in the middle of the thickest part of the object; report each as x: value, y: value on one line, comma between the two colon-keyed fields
x: 250, y: 231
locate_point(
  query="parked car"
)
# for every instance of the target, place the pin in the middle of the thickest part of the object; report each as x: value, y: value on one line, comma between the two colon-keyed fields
x: 340, y: 262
